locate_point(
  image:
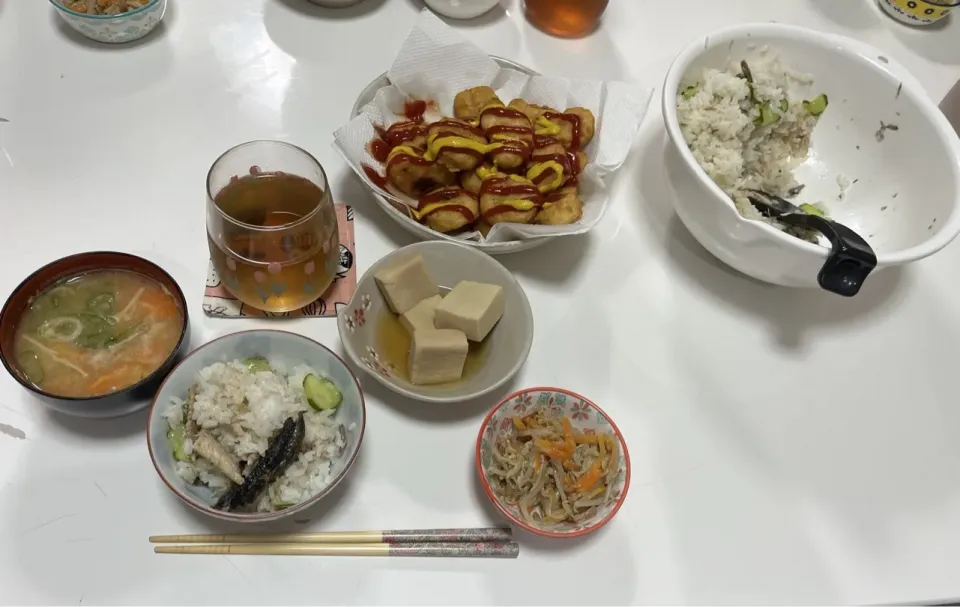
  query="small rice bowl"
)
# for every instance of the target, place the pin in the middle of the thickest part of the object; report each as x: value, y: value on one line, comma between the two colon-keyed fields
x: 242, y: 410
x: 749, y: 134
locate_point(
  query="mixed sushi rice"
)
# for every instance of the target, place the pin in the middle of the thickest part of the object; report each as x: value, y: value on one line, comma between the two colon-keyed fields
x: 749, y: 126
x: 248, y: 431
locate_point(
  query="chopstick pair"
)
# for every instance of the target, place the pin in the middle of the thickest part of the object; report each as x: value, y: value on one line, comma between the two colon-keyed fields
x: 493, y: 542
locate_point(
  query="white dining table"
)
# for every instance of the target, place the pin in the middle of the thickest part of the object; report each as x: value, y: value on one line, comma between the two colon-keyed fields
x: 787, y: 446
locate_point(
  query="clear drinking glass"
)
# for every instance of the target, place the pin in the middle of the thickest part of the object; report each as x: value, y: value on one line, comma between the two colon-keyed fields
x: 271, y: 225
x: 565, y: 18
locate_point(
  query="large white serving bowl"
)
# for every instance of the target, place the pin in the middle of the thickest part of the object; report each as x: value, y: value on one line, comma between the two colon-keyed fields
x: 905, y: 194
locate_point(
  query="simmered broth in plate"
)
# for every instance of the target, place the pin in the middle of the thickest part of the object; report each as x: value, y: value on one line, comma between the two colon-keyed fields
x: 96, y: 333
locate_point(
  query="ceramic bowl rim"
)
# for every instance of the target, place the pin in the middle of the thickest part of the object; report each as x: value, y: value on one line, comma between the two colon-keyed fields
x: 256, y: 517
x: 177, y: 294
x: 861, y: 52
x: 74, y: 13
x: 478, y: 460
x: 488, y: 259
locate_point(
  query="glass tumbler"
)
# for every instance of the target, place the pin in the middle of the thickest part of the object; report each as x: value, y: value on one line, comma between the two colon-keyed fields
x: 565, y: 18
x: 271, y: 225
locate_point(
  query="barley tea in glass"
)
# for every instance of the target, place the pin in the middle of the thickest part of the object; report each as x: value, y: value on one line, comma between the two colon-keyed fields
x: 271, y: 225
x: 565, y: 18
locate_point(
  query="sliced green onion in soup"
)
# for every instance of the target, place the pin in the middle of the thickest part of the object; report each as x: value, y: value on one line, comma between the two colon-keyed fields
x: 102, y: 304
x: 61, y: 292
x: 97, y: 332
x: 61, y: 328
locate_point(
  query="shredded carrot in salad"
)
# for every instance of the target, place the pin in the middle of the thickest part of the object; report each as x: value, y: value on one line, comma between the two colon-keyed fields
x: 551, y: 471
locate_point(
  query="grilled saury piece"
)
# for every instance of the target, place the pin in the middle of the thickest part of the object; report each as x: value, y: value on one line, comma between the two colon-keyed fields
x: 282, y: 450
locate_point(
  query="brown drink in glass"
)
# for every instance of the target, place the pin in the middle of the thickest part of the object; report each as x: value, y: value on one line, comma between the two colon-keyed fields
x: 271, y: 225
x: 565, y: 18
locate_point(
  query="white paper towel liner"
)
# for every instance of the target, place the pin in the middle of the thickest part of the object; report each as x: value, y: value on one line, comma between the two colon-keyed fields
x: 436, y: 62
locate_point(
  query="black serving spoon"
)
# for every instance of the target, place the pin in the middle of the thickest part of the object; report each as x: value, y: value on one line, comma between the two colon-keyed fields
x: 850, y: 259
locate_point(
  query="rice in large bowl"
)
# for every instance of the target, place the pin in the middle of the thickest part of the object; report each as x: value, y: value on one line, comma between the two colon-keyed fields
x: 749, y: 126
x: 899, y: 192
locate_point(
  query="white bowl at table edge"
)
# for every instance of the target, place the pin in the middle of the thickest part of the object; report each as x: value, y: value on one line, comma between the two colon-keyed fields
x: 732, y: 243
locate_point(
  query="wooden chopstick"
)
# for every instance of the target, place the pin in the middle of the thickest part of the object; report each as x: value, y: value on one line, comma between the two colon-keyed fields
x: 431, y: 549
x: 395, y: 536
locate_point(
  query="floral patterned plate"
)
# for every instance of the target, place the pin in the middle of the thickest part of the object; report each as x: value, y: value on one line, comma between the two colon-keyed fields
x: 448, y: 263
x: 585, y: 417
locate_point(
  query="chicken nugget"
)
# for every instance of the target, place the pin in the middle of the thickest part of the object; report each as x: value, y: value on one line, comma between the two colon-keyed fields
x: 546, y: 146
x: 467, y: 104
x: 448, y: 209
x: 562, y: 207
x: 532, y: 111
x: 472, y: 181
x: 511, y: 134
x: 456, y: 144
x: 588, y: 124
x: 582, y: 161
x: 413, y: 134
x: 509, y: 200
x: 413, y: 175
x: 573, y: 129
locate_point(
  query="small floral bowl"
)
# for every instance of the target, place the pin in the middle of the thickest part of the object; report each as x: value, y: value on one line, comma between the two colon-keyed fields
x: 585, y: 417
x: 505, y: 348
x: 115, y: 29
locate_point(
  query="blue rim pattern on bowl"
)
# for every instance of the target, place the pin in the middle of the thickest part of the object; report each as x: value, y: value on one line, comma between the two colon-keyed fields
x: 57, y: 3
x: 115, y: 29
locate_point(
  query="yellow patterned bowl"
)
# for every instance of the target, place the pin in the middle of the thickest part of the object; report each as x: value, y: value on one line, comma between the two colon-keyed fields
x: 918, y: 12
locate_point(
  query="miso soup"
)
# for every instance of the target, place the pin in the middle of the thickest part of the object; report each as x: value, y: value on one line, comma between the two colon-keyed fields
x: 97, y: 333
